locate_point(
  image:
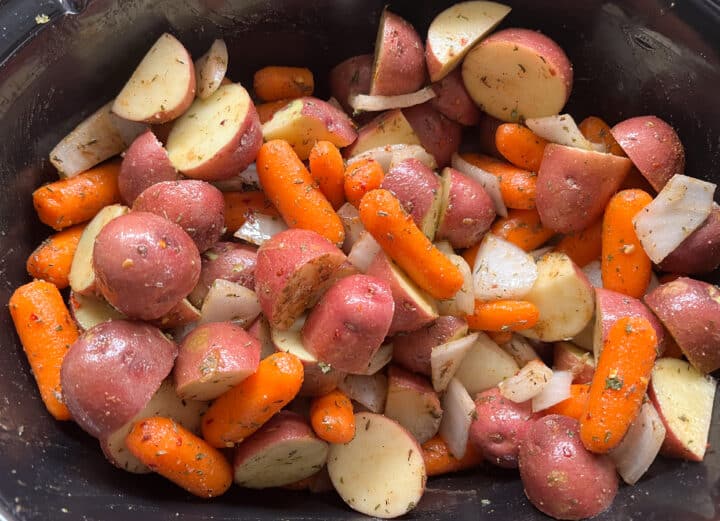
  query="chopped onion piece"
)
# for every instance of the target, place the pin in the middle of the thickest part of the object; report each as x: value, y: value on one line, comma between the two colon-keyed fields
x: 640, y: 445
x: 463, y: 303
x: 520, y: 349
x: 445, y: 360
x: 556, y: 390
x: 593, y: 272
x: 229, y: 302
x: 488, y: 181
x: 390, y: 155
x: 368, y: 391
x: 259, y: 227
x: 445, y: 247
x: 248, y: 177
x: 458, y: 409
x: 350, y: 218
x: 679, y: 209
x: 368, y: 103
x: 527, y: 383
x: 536, y: 254
x: 562, y: 130
x: 502, y: 270
x: 364, y: 251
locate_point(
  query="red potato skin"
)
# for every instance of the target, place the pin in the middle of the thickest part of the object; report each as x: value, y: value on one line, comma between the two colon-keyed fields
x: 613, y: 306
x: 196, y: 206
x: 227, y: 261
x: 579, y: 364
x: 453, y: 101
x: 499, y: 427
x: 487, y: 128
x: 182, y: 314
x: 336, y: 120
x: 574, y: 186
x: 700, y: 251
x: 469, y: 212
x: 318, y: 383
x: 399, y: 63
x: 412, y: 350
x: 352, y: 76
x: 415, y: 186
x: 438, y: 135
x: 400, y: 380
x: 350, y: 322
x: 145, y: 163
x: 653, y: 146
x: 110, y: 373
x: 689, y: 309
x: 384, y: 123
x: 561, y: 478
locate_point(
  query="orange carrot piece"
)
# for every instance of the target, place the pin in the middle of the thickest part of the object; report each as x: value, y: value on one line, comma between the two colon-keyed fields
x: 291, y: 188
x: 625, y: 266
x: 242, y: 410
x: 439, y: 460
x: 517, y: 186
x: 596, y: 130
x: 582, y: 247
x: 522, y: 228
x: 77, y: 199
x: 267, y: 110
x: 573, y: 406
x: 471, y: 254
x: 52, y: 259
x: 361, y: 177
x: 386, y: 220
x: 46, y: 331
x: 275, y: 83
x: 178, y: 455
x: 619, y: 383
x: 500, y: 337
x: 332, y: 418
x: 240, y: 205
x: 328, y: 169
x: 503, y: 315
x: 520, y: 145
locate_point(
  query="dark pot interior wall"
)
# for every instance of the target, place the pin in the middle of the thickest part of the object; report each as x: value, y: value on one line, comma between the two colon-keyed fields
x: 630, y: 58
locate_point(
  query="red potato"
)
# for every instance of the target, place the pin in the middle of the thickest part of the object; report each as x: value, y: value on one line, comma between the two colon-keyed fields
x: 350, y: 77
x: 466, y: 212
x: 700, y: 252
x: 499, y: 427
x: 653, y: 146
x: 484, y: 366
x: 260, y: 329
x: 517, y: 74
x: 182, y: 314
x: 230, y: 261
x: 369, y: 391
x: 283, y: 451
x: 575, y: 185
x: 110, y: 373
x: 413, y: 307
x: 413, y: 403
x: 437, y: 134
x: 419, y: 191
x: 162, y: 86
x: 683, y: 397
x: 412, y: 350
x: 230, y: 302
x: 304, y: 121
x: 399, y: 62
x: 568, y: 357
x: 293, y: 269
x: 456, y: 30
x: 388, y: 128
x: 145, y: 163
x: 349, y: 323
x: 89, y: 310
x: 689, y: 309
x: 217, y: 137
x: 487, y: 128
x: 210, y: 69
x: 561, y: 478
x: 453, y: 101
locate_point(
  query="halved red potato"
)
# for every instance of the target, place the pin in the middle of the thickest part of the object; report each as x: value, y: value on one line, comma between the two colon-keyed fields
x: 484, y: 366
x: 518, y: 73
x: 569, y: 357
x: 369, y: 391
x: 388, y: 128
x: 228, y: 261
x: 700, y: 251
x: 304, y: 121
x: 456, y: 30
x: 162, y: 86
x: 217, y: 137
x: 399, y: 63
x: 145, y: 163
x: 412, y: 350
x: 349, y: 77
x: 210, y: 69
x: 91, y: 310
x: 438, y: 135
x: 413, y: 403
x: 453, y: 101
x: 575, y: 185
x: 230, y: 302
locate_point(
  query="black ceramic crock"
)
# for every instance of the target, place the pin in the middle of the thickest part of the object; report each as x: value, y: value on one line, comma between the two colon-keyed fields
x: 631, y: 57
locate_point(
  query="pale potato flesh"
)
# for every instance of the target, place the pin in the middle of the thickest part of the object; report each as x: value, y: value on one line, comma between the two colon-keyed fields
x: 418, y: 411
x: 392, y: 128
x: 89, y: 310
x: 484, y: 366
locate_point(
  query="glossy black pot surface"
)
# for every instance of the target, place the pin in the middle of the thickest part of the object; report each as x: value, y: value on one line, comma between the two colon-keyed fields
x: 630, y: 57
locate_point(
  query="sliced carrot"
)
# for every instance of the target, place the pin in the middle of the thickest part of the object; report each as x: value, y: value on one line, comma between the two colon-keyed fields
x: 178, y: 455
x: 520, y: 145
x: 503, y: 315
x: 439, y: 460
x: 77, y: 199
x: 625, y: 266
x: 619, y: 383
x: 500, y: 337
x: 240, y: 205
x: 573, y: 406
x: 361, y: 177
x: 517, y: 186
x: 386, y: 220
x: 332, y: 418
x: 267, y: 110
x: 292, y: 190
x: 471, y: 254
x: 583, y: 247
x: 275, y: 83
x: 51, y: 260
x: 328, y: 169
x: 46, y: 331
x: 596, y: 130
x: 242, y: 410
x: 522, y: 228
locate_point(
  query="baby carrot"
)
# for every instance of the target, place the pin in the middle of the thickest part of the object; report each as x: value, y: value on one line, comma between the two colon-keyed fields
x: 438, y: 459
x: 520, y: 145
x: 383, y: 216
x: 267, y: 110
x: 242, y: 410
x: 582, y: 247
x: 239, y: 205
x: 331, y: 417
x: 328, y: 170
x: 77, y: 199
x: 596, y: 130
x: 46, y: 331
x: 619, y: 383
x: 625, y: 266
x: 361, y: 177
x: 275, y: 83
x: 52, y: 259
x: 522, y: 228
x: 517, y: 186
x: 573, y: 406
x: 503, y: 315
x: 178, y: 455
x: 292, y: 190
